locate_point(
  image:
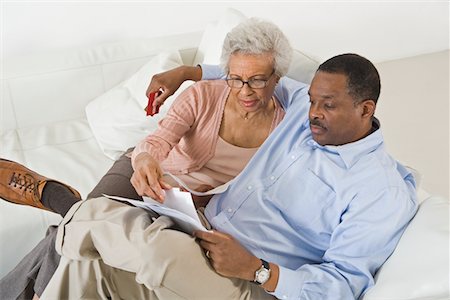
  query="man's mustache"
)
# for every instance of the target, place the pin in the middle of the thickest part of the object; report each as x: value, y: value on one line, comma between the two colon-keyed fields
x: 316, y: 123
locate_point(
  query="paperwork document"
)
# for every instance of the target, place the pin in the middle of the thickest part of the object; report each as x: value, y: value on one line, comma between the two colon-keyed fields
x: 177, y: 205
x: 217, y: 190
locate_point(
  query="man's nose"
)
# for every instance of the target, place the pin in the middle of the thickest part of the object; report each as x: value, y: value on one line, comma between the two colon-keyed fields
x: 315, y: 112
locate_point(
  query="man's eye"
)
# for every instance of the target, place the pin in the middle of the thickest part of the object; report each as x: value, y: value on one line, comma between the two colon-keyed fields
x: 328, y: 106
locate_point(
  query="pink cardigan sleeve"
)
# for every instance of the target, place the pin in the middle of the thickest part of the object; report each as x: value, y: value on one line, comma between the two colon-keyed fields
x: 179, y: 119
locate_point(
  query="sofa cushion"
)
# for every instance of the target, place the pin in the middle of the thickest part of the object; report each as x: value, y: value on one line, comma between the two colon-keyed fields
x: 210, y: 46
x: 66, y: 151
x: 302, y: 67
x: 419, y: 266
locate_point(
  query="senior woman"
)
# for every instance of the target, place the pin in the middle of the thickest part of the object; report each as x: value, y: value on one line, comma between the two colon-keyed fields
x: 207, y: 137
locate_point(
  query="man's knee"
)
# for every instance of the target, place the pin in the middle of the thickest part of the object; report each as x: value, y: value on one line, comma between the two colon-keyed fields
x: 171, y: 252
x: 173, y: 244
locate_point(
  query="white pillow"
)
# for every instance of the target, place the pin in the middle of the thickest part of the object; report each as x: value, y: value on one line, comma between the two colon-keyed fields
x: 302, y: 67
x: 118, y: 119
x: 210, y: 47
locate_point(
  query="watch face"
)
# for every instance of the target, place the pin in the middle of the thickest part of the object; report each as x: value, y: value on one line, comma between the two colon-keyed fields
x: 262, y: 276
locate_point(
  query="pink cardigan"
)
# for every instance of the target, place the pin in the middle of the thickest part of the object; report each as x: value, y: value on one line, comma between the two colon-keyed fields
x: 187, y: 136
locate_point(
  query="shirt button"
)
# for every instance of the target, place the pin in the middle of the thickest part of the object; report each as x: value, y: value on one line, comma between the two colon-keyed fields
x: 229, y: 210
x: 293, y: 156
x: 284, y: 297
x: 272, y: 177
x: 249, y: 187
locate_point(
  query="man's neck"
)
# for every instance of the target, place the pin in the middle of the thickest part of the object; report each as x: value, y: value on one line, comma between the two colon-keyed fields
x: 374, y: 127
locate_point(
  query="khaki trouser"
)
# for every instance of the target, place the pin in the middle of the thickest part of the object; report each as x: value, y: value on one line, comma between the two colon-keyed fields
x: 112, y: 250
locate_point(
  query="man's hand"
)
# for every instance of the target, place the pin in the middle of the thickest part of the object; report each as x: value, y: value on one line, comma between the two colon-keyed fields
x: 227, y: 256
x: 147, y: 177
x: 167, y: 83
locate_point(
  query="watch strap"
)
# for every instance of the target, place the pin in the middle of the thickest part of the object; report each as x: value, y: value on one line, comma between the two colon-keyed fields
x: 265, y: 264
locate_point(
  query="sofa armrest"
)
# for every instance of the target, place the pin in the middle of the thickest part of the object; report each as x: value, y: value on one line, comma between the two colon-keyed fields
x: 419, y: 266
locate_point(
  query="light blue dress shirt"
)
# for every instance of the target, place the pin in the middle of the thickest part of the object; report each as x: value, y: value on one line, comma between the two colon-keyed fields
x: 329, y: 216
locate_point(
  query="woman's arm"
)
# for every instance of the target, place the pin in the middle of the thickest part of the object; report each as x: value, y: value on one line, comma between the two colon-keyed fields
x: 168, y: 82
x: 155, y: 147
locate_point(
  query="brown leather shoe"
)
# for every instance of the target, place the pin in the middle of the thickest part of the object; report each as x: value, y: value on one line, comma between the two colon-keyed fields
x: 20, y: 185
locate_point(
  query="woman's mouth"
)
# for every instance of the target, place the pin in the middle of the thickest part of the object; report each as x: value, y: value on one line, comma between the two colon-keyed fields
x: 249, y: 103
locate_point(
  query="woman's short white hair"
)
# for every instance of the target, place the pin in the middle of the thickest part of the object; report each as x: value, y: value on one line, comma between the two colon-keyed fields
x: 256, y: 36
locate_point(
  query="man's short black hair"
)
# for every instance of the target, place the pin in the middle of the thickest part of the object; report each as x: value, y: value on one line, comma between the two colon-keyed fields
x: 363, y: 80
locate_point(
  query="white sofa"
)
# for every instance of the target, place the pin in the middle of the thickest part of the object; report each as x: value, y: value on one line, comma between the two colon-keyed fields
x: 67, y: 115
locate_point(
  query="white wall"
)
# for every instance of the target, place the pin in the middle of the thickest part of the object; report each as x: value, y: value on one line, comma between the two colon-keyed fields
x: 379, y: 30
x: 414, y: 111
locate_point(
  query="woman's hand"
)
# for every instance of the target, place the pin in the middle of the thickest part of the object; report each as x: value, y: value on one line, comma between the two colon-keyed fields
x: 167, y: 83
x: 147, y: 177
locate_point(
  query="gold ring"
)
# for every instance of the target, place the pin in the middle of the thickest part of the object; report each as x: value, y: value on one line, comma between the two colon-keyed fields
x: 207, y: 254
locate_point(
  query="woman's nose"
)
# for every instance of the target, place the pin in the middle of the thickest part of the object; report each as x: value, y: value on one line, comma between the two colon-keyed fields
x: 246, y: 89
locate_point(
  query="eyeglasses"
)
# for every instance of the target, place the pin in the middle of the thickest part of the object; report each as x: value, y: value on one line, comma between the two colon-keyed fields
x: 236, y: 83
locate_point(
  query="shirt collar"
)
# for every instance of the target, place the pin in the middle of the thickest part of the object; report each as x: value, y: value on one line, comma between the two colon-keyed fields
x: 352, y: 152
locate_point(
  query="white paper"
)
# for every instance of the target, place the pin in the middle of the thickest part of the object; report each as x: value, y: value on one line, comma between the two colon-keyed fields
x: 177, y: 200
x: 177, y: 205
x: 217, y: 190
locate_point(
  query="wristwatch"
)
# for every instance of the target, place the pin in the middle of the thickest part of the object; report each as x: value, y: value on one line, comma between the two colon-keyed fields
x: 263, y: 273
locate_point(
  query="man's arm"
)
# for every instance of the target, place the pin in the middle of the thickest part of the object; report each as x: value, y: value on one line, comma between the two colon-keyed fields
x: 168, y: 83
x: 286, y: 91
x: 366, y: 236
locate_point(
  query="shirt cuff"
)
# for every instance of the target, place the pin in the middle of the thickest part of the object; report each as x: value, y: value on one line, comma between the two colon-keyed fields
x: 290, y: 284
x: 212, y: 72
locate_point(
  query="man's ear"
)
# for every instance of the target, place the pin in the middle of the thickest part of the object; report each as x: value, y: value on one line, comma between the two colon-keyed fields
x: 368, y: 109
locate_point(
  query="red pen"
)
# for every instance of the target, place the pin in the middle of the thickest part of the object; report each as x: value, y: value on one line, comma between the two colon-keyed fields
x: 151, y: 99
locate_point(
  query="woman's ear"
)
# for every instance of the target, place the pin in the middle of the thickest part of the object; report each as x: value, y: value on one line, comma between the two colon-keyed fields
x: 277, y: 79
